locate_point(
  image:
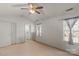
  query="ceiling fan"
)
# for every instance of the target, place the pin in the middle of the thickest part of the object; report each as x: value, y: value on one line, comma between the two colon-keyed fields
x: 32, y: 8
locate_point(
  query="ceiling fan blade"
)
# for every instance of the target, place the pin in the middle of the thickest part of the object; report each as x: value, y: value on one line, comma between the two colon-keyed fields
x: 37, y: 12
x: 24, y: 8
x: 39, y: 7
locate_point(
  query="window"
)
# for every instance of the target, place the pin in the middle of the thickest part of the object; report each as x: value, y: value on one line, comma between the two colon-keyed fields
x: 29, y: 30
x: 38, y: 30
x: 74, y: 31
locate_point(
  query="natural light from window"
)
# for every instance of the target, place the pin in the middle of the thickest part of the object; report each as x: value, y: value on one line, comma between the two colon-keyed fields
x: 75, y: 32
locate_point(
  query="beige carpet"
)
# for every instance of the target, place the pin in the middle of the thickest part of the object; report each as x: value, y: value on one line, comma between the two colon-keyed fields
x: 31, y: 48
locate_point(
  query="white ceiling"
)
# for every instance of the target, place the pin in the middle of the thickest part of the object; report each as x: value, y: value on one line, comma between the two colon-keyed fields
x: 50, y: 10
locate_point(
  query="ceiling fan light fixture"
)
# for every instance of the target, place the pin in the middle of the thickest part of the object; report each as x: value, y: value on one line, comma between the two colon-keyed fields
x: 33, y: 8
x: 32, y: 11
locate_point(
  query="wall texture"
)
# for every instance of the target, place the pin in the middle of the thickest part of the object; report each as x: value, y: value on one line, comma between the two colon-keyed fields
x: 52, y: 33
x: 12, y: 30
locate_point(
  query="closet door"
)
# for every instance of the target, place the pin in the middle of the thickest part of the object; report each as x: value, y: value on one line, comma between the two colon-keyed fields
x: 20, y: 33
x: 5, y: 33
x: 13, y: 33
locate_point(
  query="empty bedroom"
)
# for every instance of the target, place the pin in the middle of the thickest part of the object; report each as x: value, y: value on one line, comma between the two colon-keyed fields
x: 39, y: 29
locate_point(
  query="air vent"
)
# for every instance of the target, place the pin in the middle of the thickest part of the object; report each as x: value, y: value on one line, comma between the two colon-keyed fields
x: 70, y: 9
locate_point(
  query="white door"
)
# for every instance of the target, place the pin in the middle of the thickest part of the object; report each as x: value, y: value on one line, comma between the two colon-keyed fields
x: 27, y: 31
x: 5, y: 34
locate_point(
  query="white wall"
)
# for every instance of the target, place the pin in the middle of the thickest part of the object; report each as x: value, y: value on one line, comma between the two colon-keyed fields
x: 15, y: 30
x: 5, y: 34
x: 52, y: 33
